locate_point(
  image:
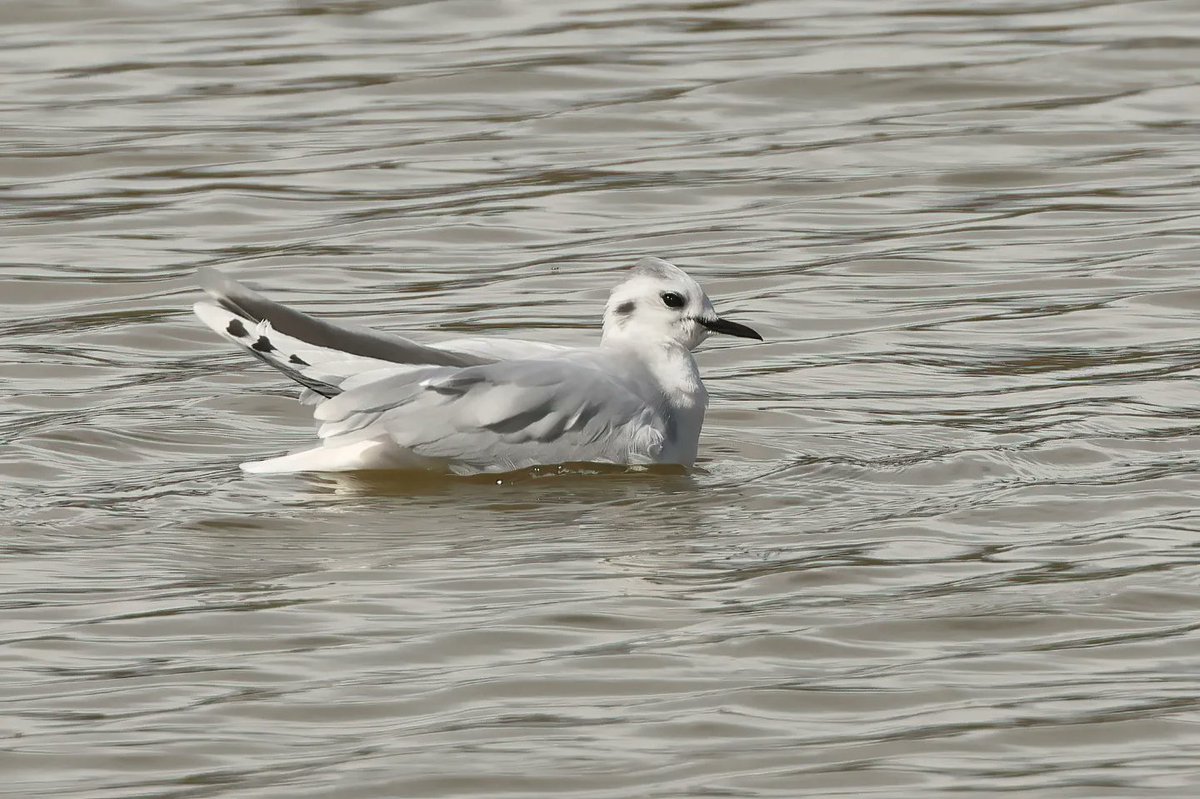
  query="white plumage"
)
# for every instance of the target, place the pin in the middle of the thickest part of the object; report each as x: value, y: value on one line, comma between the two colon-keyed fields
x: 477, y: 404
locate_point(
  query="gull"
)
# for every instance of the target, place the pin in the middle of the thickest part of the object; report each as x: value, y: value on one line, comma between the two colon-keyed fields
x: 485, y: 404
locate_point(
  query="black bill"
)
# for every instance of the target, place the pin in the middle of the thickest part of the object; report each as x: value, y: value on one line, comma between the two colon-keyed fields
x: 729, y: 328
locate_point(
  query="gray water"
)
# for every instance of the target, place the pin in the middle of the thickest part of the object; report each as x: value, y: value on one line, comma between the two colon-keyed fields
x: 943, y: 536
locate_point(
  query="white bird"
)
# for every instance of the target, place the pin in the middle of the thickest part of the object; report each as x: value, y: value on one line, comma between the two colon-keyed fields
x: 472, y: 405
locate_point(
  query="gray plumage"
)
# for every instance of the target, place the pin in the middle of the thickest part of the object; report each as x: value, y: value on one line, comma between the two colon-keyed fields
x: 346, y: 338
x: 488, y: 405
x: 503, y: 416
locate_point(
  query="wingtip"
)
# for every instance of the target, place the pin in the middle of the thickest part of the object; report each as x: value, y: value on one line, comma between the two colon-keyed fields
x: 208, y: 313
x: 215, y: 318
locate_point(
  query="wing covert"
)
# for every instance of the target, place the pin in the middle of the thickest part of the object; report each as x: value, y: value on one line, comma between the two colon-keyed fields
x: 504, y: 416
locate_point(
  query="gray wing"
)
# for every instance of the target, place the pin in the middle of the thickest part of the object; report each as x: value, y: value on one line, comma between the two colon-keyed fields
x: 503, y: 416
x: 321, y: 355
x: 339, y: 338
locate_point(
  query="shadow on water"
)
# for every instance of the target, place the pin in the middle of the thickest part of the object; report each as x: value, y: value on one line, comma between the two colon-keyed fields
x: 585, y: 478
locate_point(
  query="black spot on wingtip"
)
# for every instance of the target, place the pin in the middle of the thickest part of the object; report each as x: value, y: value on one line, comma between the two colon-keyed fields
x: 625, y: 308
x: 296, y: 359
x: 263, y: 345
x: 236, y: 328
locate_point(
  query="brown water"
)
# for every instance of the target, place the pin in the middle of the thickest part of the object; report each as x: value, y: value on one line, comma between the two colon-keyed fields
x: 944, y: 536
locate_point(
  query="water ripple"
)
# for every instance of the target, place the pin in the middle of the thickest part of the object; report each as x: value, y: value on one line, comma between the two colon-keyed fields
x: 942, y: 536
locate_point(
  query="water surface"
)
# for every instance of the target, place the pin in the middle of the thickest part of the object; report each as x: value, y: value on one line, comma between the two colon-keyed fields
x: 943, y: 536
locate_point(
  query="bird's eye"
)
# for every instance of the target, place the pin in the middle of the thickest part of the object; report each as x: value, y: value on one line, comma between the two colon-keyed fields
x: 672, y: 300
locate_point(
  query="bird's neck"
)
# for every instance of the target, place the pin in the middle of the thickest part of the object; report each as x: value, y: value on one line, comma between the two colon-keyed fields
x: 680, y: 396
x: 672, y: 366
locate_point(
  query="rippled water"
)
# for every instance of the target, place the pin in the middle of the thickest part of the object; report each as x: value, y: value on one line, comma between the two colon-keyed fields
x: 944, y: 536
